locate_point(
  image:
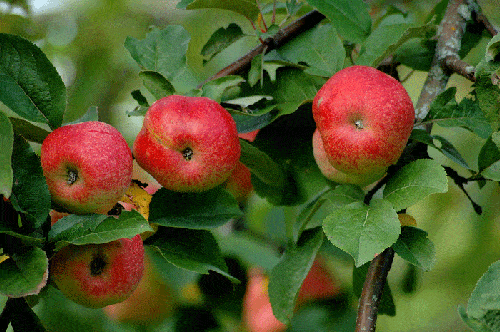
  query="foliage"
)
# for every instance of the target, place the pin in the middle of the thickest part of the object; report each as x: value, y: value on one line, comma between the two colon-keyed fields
x: 271, y: 93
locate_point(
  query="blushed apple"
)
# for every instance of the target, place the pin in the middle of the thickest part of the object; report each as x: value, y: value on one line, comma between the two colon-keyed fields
x: 334, y: 174
x: 97, y: 275
x: 365, y: 118
x: 188, y: 144
x: 87, y: 166
x: 239, y: 183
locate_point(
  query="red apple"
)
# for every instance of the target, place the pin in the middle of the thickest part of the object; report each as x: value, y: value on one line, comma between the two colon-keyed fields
x: 97, y: 275
x: 334, y: 174
x: 239, y: 183
x: 150, y: 303
x: 188, y: 144
x: 365, y: 118
x: 250, y: 136
x: 87, y: 166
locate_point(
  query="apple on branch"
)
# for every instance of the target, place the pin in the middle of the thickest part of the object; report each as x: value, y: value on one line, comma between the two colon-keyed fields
x: 365, y: 118
x: 97, y: 275
x: 87, y: 166
x: 188, y: 144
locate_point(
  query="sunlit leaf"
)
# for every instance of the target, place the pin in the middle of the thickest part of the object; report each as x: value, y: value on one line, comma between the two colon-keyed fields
x: 6, y: 147
x: 247, y: 8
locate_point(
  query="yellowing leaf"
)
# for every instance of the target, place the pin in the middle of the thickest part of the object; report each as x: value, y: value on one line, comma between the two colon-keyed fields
x: 137, y: 196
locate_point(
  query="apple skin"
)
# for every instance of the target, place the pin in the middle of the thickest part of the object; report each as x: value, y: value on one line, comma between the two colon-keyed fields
x: 239, y: 183
x: 365, y: 118
x: 87, y: 166
x: 97, y: 275
x: 188, y: 144
x: 333, y: 174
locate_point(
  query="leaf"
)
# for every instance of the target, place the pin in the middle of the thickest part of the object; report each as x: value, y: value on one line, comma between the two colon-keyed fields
x: 97, y: 228
x: 256, y: 73
x: 191, y: 249
x: 29, y: 84
x: 156, y: 84
x: 28, y: 130
x: 260, y: 164
x: 221, y: 39
x: 414, y: 182
x: 414, y: 247
x: 319, y: 48
x: 484, y: 302
x: 24, y: 273
x: 474, y: 324
x: 293, y: 88
x: 92, y: 114
x: 205, y: 210
x: 22, y: 316
x: 350, y: 17
x: 30, y: 193
x: 216, y: 89
x: 363, y: 231
x: 387, y: 38
x: 287, y: 276
x: 489, y: 158
x: 6, y: 147
x: 416, y: 53
x: 164, y: 51
x: 247, y: 8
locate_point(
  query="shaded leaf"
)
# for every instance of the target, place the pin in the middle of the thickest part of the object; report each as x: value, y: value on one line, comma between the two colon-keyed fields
x: 261, y: 165
x: 247, y: 8
x: 29, y: 84
x: 215, y: 89
x: 287, y: 276
x: 6, y: 147
x: 293, y: 88
x: 205, y: 210
x: 414, y: 246
x: 156, y: 84
x: 363, y: 231
x: 220, y: 39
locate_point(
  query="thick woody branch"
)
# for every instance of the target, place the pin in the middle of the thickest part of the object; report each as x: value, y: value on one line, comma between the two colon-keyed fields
x: 284, y: 35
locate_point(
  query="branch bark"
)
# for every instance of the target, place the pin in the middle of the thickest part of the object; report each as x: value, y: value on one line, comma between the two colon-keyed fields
x: 284, y: 35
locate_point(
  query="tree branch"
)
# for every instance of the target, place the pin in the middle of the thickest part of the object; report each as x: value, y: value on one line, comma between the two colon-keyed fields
x: 284, y: 35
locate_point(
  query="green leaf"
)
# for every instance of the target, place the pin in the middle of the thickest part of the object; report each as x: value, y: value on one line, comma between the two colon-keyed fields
x: 30, y: 193
x: 29, y: 84
x: 350, y: 17
x: 28, y: 130
x: 416, y: 53
x: 164, y: 51
x: 492, y: 49
x: 414, y: 247
x: 287, y: 276
x: 489, y: 158
x: 221, y: 39
x: 24, y: 273
x: 26, y: 239
x: 92, y: 114
x: 205, y: 210
x: 293, y: 88
x: 97, y: 228
x: 320, y: 48
x: 22, y: 316
x: 247, y: 8
x: 414, y: 182
x: 157, y: 84
x: 484, y: 302
x: 256, y: 73
x: 474, y: 324
x: 216, y: 89
x: 191, y: 249
x: 363, y: 231
x: 386, y: 305
x: 261, y: 165
x: 6, y: 147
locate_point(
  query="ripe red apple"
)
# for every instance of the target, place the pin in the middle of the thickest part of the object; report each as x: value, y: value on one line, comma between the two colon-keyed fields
x: 250, y: 136
x: 334, y: 174
x: 365, y: 118
x: 97, y: 275
x: 188, y: 144
x: 87, y: 166
x: 239, y: 183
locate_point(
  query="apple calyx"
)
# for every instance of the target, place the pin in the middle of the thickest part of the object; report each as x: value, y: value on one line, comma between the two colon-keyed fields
x: 72, y: 176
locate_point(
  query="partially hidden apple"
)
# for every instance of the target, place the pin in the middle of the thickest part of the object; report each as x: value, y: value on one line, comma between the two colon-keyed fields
x: 188, y: 144
x: 239, y: 183
x: 334, y: 174
x: 97, y: 275
x: 87, y: 166
x: 365, y: 118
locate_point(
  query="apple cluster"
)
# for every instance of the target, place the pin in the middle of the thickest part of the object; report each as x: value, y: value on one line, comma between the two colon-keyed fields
x: 187, y: 144
x: 364, y: 118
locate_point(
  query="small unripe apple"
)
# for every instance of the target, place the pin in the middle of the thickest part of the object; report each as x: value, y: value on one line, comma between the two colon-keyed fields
x: 239, y: 183
x: 365, y: 118
x: 97, y: 275
x: 334, y: 174
x: 188, y: 144
x: 87, y: 166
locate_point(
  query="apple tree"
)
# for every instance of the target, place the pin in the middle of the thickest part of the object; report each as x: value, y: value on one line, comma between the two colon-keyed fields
x: 251, y: 253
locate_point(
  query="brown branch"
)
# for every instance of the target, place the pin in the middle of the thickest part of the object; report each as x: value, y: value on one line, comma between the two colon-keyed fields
x: 487, y: 24
x: 460, y: 67
x: 376, y: 277
x: 284, y: 35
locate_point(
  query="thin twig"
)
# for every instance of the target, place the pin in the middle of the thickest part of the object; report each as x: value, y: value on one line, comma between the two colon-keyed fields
x: 460, y: 67
x: 284, y: 35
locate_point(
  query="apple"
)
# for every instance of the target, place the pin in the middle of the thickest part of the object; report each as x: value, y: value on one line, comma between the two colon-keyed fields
x: 55, y: 216
x: 188, y: 144
x: 249, y: 136
x: 87, y: 166
x: 365, y: 118
x: 239, y: 183
x: 334, y: 174
x: 151, y: 302
x: 97, y: 275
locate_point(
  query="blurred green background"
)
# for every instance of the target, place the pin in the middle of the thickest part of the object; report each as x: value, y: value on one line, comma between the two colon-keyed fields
x: 84, y: 40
